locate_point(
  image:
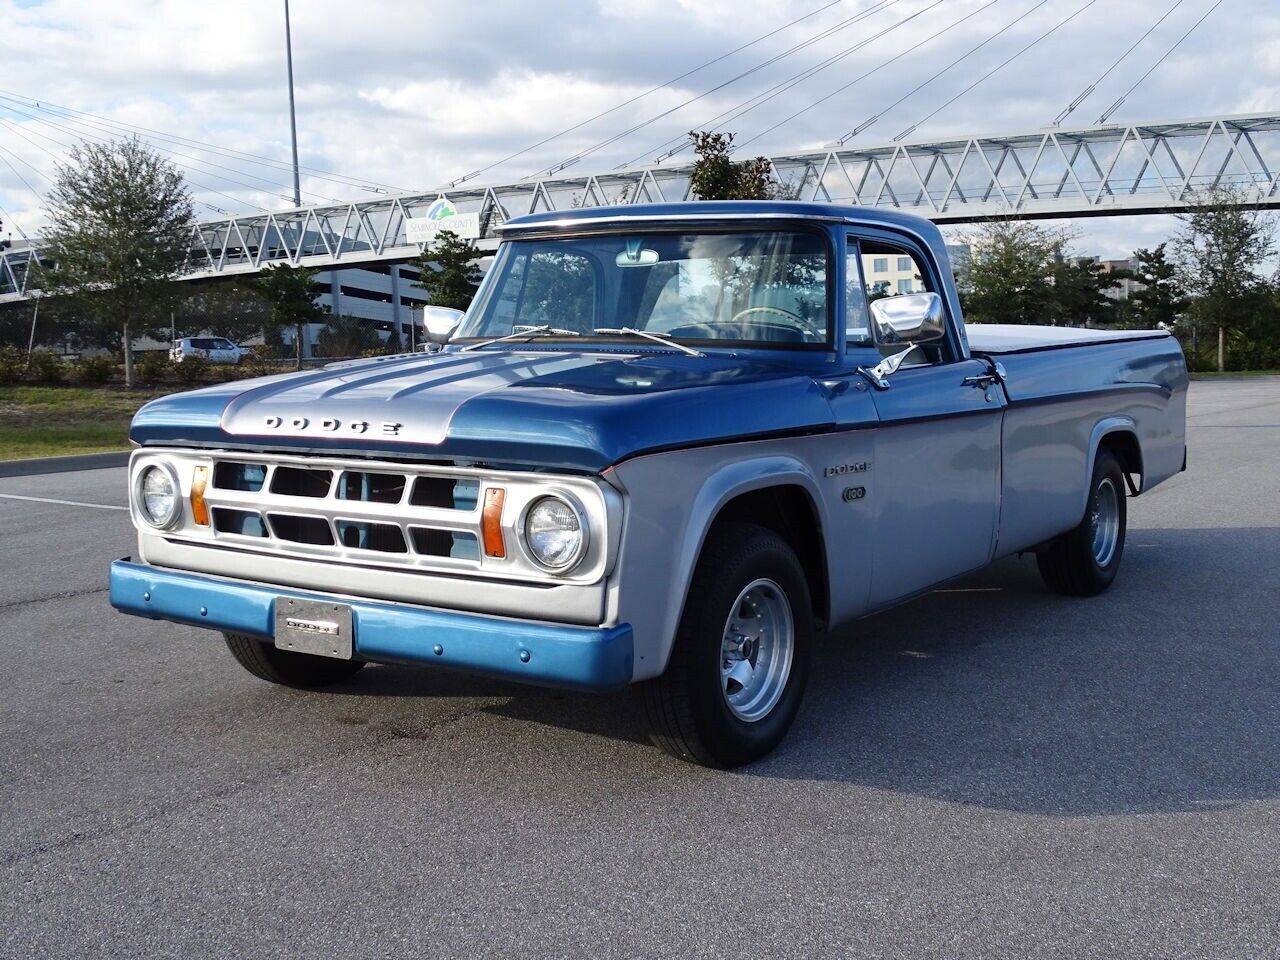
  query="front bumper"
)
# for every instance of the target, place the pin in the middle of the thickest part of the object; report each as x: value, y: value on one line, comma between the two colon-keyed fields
x: 552, y: 654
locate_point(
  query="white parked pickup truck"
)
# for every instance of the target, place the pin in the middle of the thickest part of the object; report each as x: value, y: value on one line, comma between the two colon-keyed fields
x: 666, y: 445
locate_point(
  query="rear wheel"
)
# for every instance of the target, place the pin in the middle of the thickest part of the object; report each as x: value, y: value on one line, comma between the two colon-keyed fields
x: 289, y: 669
x: 1083, y: 562
x: 738, y: 668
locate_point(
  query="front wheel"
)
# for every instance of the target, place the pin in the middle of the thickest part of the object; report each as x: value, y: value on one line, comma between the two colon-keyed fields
x: 738, y: 668
x: 266, y: 662
x: 1083, y: 562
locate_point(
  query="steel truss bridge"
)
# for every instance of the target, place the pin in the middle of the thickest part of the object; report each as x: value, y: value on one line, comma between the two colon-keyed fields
x: 1109, y: 170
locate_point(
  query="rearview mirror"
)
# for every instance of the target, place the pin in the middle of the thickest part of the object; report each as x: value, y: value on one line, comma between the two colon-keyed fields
x: 636, y: 254
x: 438, y: 323
x: 909, y: 318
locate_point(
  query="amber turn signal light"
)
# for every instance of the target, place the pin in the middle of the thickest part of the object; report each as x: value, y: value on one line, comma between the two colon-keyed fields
x: 199, y: 509
x: 491, y: 522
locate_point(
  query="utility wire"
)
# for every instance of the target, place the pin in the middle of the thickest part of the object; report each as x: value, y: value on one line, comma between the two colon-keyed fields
x: 859, y: 79
x: 7, y: 216
x: 720, y: 86
x: 873, y: 119
x: 1088, y: 91
x: 640, y: 96
x: 203, y: 186
x: 25, y: 181
x: 1116, y: 106
x: 681, y: 143
x: 175, y: 153
x: 996, y: 69
x: 9, y: 124
x: 260, y: 160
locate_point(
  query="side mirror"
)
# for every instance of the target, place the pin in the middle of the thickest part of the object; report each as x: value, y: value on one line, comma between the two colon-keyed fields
x: 909, y: 318
x: 438, y: 323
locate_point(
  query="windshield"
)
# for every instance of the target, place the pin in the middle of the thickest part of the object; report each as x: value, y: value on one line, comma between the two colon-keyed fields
x: 765, y: 287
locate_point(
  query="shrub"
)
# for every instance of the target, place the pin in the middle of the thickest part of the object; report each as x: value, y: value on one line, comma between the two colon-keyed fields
x: 45, y: 367
x: 192, y: 369
x: 94, y: 371
x: 153, y: 366
x: 11, y: 365
x: 261, y: 361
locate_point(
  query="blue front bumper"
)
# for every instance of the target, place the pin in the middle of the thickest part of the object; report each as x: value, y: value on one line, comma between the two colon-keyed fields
x: 558, y: 655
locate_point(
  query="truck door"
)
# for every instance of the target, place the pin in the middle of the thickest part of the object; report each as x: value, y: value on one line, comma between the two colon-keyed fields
x: 937, y: 446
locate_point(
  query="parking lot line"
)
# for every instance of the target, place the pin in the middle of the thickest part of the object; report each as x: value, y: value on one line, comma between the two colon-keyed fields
x: 65, y: 503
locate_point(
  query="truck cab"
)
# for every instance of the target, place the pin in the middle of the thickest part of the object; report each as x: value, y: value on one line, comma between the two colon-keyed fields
x: 665, y: 446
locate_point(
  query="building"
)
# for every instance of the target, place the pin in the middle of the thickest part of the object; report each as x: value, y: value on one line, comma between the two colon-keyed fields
x: 1125, y: 287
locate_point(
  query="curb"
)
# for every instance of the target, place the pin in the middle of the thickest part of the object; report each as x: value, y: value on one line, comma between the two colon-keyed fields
x: 83, y: 461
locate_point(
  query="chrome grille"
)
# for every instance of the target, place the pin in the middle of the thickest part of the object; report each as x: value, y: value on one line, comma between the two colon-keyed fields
x: 401, y: 516
x: 376, y: 513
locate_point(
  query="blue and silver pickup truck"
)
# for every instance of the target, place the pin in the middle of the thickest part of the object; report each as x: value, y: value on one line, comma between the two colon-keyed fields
x: 665, y: 446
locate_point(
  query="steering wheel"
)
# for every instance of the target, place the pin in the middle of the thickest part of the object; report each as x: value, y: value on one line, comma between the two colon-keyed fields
x: 798, y: 321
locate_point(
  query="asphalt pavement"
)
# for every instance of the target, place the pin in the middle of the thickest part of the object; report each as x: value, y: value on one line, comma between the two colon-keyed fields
x: 990, y: 771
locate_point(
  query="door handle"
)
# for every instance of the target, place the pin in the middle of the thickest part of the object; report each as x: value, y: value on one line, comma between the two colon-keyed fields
x: 993, y: 374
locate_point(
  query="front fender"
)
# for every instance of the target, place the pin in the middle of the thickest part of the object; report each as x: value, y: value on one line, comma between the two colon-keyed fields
x: 673, y: 498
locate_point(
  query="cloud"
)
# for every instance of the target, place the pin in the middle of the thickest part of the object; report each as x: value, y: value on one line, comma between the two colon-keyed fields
x: 413, y: 95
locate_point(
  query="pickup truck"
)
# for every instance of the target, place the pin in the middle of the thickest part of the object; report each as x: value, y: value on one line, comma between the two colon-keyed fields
x: 665, y: 447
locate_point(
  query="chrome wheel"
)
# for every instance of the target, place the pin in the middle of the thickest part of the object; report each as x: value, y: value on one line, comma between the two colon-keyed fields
x: 1105, y: 521
x: 756, y: 651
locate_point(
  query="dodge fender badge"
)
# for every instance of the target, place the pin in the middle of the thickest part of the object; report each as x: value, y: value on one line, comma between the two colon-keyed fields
x: 273, y: 422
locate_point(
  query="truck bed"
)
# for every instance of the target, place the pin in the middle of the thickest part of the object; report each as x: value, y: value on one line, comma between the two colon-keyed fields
x: 1004, y: 338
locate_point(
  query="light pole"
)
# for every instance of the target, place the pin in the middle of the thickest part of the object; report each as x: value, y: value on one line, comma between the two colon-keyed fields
x: 293, y: 117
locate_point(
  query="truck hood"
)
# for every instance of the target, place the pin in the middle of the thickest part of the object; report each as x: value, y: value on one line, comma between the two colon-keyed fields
x: 551, y: 409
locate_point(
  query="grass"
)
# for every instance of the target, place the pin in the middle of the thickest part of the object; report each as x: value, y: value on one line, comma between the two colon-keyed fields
x: 58, y: 421
x: 1229, y: 374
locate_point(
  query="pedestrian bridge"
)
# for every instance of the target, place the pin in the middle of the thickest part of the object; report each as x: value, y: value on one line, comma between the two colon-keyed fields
x: 1108, y: 170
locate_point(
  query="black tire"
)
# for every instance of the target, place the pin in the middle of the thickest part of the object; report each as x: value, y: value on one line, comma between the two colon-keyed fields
x: 289, y: 669
x: 1068, y: 564
x: 686, y: 706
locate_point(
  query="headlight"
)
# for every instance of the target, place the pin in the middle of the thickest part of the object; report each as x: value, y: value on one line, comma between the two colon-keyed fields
x: 157, y: 496
x: 555, y: 533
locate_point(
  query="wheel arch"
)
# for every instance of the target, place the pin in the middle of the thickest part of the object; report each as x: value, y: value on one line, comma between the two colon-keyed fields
x: 785, y: 490
x: 1118, y: 434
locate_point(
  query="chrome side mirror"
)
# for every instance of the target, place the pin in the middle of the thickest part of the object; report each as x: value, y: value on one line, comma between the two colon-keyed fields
x: 438, y: 323
x: 909, y: 318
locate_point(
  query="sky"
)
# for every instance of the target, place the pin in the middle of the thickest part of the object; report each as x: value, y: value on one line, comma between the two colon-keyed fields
x: 411, y: 95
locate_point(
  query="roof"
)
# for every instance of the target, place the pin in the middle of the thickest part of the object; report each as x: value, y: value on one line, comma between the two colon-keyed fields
x: 721, y: 209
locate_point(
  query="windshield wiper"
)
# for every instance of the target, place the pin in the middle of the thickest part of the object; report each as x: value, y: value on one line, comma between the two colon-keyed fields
x: 546, y: 330
x: 662, y: 338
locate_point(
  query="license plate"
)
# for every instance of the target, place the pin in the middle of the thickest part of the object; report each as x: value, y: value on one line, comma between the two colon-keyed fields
x: 314, y: 627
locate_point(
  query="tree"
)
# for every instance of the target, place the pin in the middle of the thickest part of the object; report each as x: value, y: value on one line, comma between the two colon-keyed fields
x: 1219, y: 249
x: 449, y: 271
x: 346, y: 337
x: 1011, y: 272
x: 1079, y: 292
x: 120, y: 219
x: 291, y: 295
x: 1161, y: 298
x: 233, y: 310
x: 716, y: 177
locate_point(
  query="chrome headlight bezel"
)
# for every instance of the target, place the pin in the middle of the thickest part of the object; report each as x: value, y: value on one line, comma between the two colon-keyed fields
x: 584, y: 525
x: 140, y: 504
